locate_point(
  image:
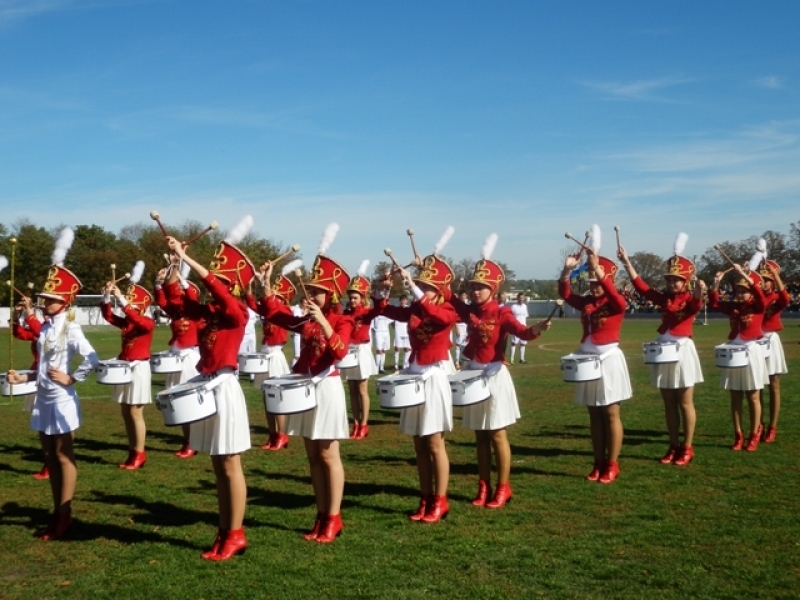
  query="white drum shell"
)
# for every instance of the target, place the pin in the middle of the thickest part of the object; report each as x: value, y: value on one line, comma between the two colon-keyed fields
x: 114, y: 372
x: 401, y: 391
x: 19, y: 389
x: 731, y: 356
x: 581, y: 367
x: 253, y: 364
x: 289, y: 395
x: 166, y: 362
x: 350, y: 360
x: 186, y: 403
x: 469, y: 387
x: 658, y: 353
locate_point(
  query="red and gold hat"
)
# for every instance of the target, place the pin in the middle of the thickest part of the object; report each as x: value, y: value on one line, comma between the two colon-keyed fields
x: 680, y: 266
x: 359, y: 284
x: 488, y: 273
x: 328, y: 275
x: 741, y: 281
x: 609, y: 266
x: 61, y: 284
x: 138, y: 297
x: 284, y: 288
x: 232, y: 266
x: 766, y: 273
x: 435, y: 272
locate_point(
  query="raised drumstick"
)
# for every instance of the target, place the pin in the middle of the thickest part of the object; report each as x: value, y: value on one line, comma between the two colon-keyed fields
x: 568, y: 235
x: 126, y: 276
x: 211, y: 226
x: 388, y: 252
x: 15, y: 288
x: 157, y: 218
x: 616, y: 232
x: 113, y: 272
x: 293, y: 248
x: 299, y: 274
x: 417, y: 259
x: 559, y: 303
x: 725, y: 256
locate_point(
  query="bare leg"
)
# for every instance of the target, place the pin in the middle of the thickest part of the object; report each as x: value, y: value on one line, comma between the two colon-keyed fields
x: 231, y: 490
x: 774, y: 399
x: 502, y: 453
x: 318, y: 479
x: 483, y: 450
x: 736, y: 410
x: 280, y: 423
x: 331, y: 462
x: 363, y: 394
x: 686, y: 401
x: 424, y: 465
x: 598, y: 430
x: 185, y: 429
x: 441, y: 463
x: 355, y: 399
x: 754, y: 404
x: 614, y: 431
x: 135, y: 428
x: 59, y: 456
x: 673, y: 417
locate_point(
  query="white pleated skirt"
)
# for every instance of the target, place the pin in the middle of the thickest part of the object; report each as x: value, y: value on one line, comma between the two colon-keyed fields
x: 189, y: 360
x: 228, y: 431
x: 326, y: 421
x: 614, y: 384
x: 752, y: 377
x: 276, y: 365
x: 366, y: 365
x: 55, y: 418
x: 776, y: 363
x: 137, y: 391
x: 27, y: 403
x: 500, y: 410
x: 682, y: 374
x: 436, y: 413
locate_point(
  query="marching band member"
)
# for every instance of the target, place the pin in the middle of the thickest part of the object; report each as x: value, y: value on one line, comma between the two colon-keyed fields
x: 401, y: 340
x: 298, y: 310
x: 137, y: 335
x: 357, y: 376
x: 460, y: 340
x: 746, y: 314
x: 56, y: 410
x: 489, y: 326
x: 676, y: 380
x: 602, y: 312
x: 226, y: 434
x: 776, y: 297
x: 184, y: 333
x: 430, y: 320
x: 520, y: 310
x: 272, y: 342
x: 325, y: 339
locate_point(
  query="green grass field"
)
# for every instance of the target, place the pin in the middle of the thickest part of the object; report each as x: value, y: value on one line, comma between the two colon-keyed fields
x: 727, y: 526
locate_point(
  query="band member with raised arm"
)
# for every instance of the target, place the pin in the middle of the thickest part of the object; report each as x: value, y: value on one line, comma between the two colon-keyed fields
x: 776, y: 298
x: 226, y: 434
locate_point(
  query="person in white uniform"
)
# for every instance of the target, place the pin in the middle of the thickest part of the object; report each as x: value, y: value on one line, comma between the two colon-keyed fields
x: 401, y: 341
x: 520, y: 310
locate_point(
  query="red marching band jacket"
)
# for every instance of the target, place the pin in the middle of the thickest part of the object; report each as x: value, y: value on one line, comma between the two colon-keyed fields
x: 137, y: 331
x: 184, y: 330
x: 362, y: 317
x: 317, y: 354
x: 488, y: 327
x: 677, y: 310
x: 776, y: 301
x: 29, y: 333
x: 601, y: 317
x: 429, y: 326
x: 745, y: 318
x: 272, y: 335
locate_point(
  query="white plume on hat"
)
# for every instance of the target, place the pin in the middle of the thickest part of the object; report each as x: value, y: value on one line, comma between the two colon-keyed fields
x: 137, y: 272
x: 755, y: 260
x: 3, y: 262
x: 362, y: 268
x: 291, y: 266
x: 448, y: 233
x: 238, y: 233
x: 680, y: 243
x: 594, y: 237
x: 327, y: 237
x: 488, y: 246
x: 185, y: 270
x: 63, y: 244
x: 761, y: 246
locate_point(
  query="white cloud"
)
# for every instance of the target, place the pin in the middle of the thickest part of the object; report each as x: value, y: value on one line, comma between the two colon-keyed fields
x: 642, y: 89
x: 770, y: 82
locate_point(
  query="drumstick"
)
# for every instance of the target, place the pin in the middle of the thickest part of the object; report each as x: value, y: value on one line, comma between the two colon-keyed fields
x: 157, y: 218
x: 616, y: 232
x: 388, y: 252
x: 417, y: 259
x: 725, y: 256
x: 583, y: 246
x: 559, y: 304
x: 299, y: 274
x: 113, y: 272
x: 116, y: 281
x: 211, y: 226
x: 293, y: 248
x: 15, y: 288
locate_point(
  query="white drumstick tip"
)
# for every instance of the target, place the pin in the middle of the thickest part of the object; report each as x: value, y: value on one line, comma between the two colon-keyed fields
x: 154, y: 214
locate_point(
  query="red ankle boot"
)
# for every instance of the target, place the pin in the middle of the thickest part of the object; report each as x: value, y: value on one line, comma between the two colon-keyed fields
x: 760, y: 432
x: 363, y: 431
x: 318, y: 523
x: 234, y: 543
x: 752, y: 443
x: 185, y: 451
x: 139, y: 458
x: 738, y: 441
x: 221, y: 533
x: 611, y: 472
x: 356, y: 431
x: 772, y: 432
x: 331, y: 530
x: 424, y: 501
x: 483, y: 493
x: 436, y: 511
x: 594, y: 475
x: 502, y: 496
x: 281, y: 441
x: 43, y: 474
x: 270, y: 441
x: 684, y: 456
x: 128, y: 460
x: 669, y: 456
x: 59, y: 524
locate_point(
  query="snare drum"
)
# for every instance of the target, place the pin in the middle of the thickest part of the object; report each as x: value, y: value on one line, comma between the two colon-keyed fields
x: 253, y: 364
x: 18, y: 389
x: 166, y: 362
x: 401, y: 391
x: 766, y: 345
x: 468, y: 387
x: 731, y: 356
x: 350, y: 359
x: 658, y: 353
x: 289, y: 394
x: 114, y: 372
x: 186, y: 403
x: 576, y: 368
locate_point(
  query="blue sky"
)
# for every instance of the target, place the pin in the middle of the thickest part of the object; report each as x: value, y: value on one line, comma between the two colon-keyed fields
x: 528, y: 119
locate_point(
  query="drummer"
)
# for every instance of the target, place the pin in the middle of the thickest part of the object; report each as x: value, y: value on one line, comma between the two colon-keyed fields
x: 357, y: 376
x: 171, y: 286
x: 272, y: 342
x: 776, y: 299
x: 226, y: 434
x: 675, y: 380
x: 137, y: 334
x: 56, y: 410
x: 602, y: 311
x: 325, y: 340
x: 746, y: 314
x: 430, y: 321
x: 489, y: 326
